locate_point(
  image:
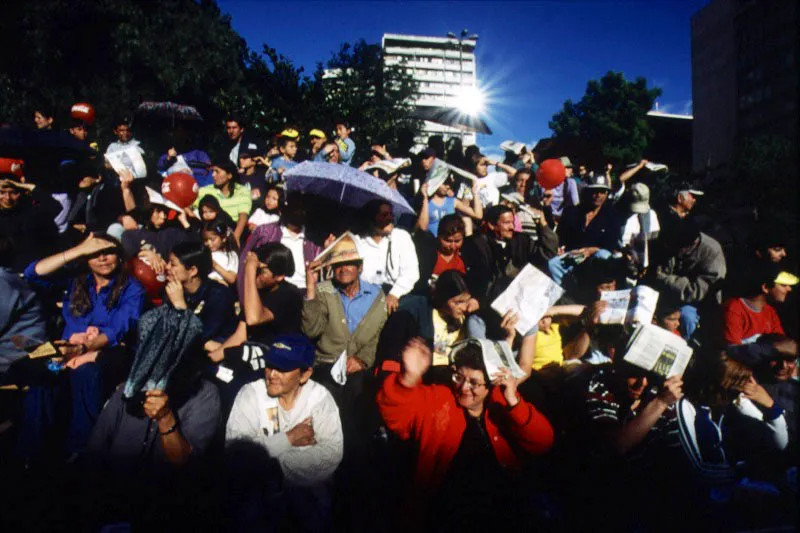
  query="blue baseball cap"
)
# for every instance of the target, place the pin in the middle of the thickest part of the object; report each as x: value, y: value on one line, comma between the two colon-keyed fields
x: 289, y: 352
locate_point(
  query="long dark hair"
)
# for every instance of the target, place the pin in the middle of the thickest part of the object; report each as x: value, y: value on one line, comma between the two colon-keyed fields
x: 223, y: 231
x: 212, y: 203
x: 194, y: 254
x: 80, y: 301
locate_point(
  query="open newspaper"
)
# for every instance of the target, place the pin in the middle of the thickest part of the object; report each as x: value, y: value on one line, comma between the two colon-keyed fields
x: 629, y: 306
x: 129, y: 158
x: 513, y: 146
x: 390, y: 166
x: 496, y: 356
x: 658, y: 350
x: 652, y: 167
x: 530, y: 295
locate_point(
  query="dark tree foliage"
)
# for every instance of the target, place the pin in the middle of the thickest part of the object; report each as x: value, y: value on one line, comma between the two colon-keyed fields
x: 612, y: 114
x: 356, y: 86
x: 115, y: 54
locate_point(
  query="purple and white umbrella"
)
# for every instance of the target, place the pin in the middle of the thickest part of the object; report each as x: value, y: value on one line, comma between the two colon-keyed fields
x: 343, y: 184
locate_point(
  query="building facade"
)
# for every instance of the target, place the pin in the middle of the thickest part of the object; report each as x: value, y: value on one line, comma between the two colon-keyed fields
x: 443, y: 67
x: 744, y: 78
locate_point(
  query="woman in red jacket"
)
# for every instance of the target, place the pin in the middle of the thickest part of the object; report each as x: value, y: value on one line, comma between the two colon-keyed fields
x: 471, y: 437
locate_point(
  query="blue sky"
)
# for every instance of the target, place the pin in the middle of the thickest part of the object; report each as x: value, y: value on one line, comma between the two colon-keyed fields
x: 531, y: 55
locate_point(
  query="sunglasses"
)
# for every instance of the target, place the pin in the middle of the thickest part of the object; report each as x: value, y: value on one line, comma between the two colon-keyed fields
x: 547, y: 196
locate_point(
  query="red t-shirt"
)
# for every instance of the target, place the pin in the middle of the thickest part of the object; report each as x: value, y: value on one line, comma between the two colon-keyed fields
x: 456, y: 263
x: 742, y: 322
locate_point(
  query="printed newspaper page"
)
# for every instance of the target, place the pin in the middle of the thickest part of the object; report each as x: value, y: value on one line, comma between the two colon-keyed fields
x: 629, y: 306
x: 496, y: 355
x: 129, y: 158
x: 530, y: 295
x: 658, y: 350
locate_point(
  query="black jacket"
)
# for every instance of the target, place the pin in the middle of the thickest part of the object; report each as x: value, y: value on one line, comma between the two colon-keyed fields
x: 603, y: 231
x: 30, y: 225
x: 488, y: 262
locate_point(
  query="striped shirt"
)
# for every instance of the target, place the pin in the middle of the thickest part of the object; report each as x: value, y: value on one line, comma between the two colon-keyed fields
x: 606, y: 404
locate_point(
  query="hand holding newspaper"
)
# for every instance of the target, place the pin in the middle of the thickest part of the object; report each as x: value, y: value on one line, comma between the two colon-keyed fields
x: 496, y: 356
x: 658, y: 350
x: 530, y: 295
x: 390, y: 166
x: 325, y: 255
x: 629, y: 306
x: 339, y: 369
x: 130, y: 158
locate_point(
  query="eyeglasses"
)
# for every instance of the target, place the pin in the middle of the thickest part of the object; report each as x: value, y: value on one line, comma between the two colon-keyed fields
x: 547, y: 196
x: 330, y: 154
x: 459, y: 379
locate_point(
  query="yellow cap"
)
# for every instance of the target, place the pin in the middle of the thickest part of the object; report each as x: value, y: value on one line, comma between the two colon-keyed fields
x: 317, y: 133
x: 786, y: 278
x: 290, y: 133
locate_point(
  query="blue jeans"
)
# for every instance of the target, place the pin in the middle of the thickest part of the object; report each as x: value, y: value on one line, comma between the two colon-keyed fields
x: 476, y: 327
x: 559, y: 267
x: 45, y: 410
x: 690, y: 319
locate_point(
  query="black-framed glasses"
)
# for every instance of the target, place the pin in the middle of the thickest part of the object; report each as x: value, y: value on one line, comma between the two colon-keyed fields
x: 459, y: 379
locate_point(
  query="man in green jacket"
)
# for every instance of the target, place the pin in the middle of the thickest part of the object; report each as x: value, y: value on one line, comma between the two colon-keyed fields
x: 345, y: 316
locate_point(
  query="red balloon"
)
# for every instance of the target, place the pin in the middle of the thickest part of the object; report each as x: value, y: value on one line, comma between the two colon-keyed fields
x: 551, y: 173
x: 11, y: 166
x: 180, y: 188
x: 145, y: 274
x: 83, y: 111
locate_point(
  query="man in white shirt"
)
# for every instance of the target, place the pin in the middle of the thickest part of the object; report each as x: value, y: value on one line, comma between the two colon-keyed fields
x: 296, y: 421
x: 293, y: 238
x: 389, y: 255
x: 125, y: 141
x: 641, y: 227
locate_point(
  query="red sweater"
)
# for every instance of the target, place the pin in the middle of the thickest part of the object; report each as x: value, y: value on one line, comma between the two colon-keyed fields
x: 741, y: 322
x: 430, y: 415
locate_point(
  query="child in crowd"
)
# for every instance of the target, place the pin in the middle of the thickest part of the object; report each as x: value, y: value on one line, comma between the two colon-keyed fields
x: 218, y: 238
x: 271, y: 211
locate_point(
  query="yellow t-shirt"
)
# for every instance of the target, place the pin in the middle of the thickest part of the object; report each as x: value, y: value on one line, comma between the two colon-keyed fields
x: 548, y: 348
x: 443, y: 339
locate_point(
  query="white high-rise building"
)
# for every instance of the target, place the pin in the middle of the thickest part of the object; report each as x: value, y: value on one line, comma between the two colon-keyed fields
x: 442, y: 66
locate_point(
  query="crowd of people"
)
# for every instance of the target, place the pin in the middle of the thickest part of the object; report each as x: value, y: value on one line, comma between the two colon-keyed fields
x: 262, y: 359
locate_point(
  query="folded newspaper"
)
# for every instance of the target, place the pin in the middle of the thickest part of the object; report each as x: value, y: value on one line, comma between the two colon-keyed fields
x: 530, y: 295
x: 324, y: 255
x: 390, y: 166
x: 128, y: 158
x: 629, y: 306
x: 652, y: 167
x: 513, y: 146
x: 658, y: 350
x: 158, y: 198
x: 496, y: 356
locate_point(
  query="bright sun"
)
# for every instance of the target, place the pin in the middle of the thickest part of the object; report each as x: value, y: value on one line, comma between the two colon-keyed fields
x: 470, y: 101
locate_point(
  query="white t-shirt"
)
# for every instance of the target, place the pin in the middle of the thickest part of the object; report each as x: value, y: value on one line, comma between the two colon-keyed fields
x: 227, y: 260
x: 295, y: 244
x: 257, y: 417
x: 260, y: 217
